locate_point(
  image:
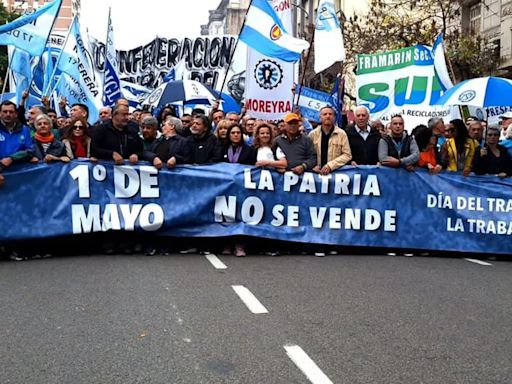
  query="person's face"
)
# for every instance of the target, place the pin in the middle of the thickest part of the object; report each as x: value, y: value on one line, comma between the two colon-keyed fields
x: 439, y: 128
x: 493, y: 137
x: 476, y: 131
x: 78, y: 128
x: 53, y: 116
x: 222, y: 132
x: 397, y: 126
x: 8, y: 114
x: 198, y: 128
x: 67, y: 123
x: 186, y: 121
x: 264, y: 135
x: 121, y: 117
x: 235, y: 136
x: 449, y: 132
x: 43, y: 127
x: 292, y: 127
x: 281, y: 127
x: 362, y: 118
x: 77, y: 112
x: 137, y: 115
x: 217, y: 116
x: 327, y: 116
x: 167, y: 129
x: 105, y: 114
x: 123, y: 102
x: 233, y: 118
x: 249, y: 126
x: 32, y: 114
x: 61, y: 122
x: 505, y: 122
x: 148, y: 132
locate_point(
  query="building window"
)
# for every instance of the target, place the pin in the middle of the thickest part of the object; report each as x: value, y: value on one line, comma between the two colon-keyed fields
x: 475, y: 19
x: 491, y: 14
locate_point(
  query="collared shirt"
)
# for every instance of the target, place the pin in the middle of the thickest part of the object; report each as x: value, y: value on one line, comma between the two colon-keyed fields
x: 364, y: 134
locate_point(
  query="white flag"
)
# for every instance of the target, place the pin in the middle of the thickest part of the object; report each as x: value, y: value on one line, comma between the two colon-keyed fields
x: 329, y: 46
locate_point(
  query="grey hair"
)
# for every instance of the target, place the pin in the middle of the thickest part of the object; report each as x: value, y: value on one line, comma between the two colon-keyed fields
x: 150, y: 121
x: 174, y: 121
x: 508, y: 133
x: 42, y: 116
x: 362, y: 107
x: 493, y: 128
x: 474, y: 122
x: 434, y: 121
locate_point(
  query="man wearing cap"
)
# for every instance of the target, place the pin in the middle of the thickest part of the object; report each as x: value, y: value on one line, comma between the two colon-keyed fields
x: 298, y: 148
x: 506, y: 120
x: 331, y: 143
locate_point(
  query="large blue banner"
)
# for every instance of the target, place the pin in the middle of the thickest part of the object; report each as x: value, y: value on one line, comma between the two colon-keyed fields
x: 364, y: 206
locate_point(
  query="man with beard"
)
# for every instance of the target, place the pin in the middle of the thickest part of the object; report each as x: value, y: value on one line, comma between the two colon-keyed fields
x: 202, y: 144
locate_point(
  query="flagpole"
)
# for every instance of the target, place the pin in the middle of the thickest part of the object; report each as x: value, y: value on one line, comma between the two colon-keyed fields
x: 5, y: 81
x: 58, y: 59
x: 305, y: 65
x: 234, y: 50
x: 109, y: 21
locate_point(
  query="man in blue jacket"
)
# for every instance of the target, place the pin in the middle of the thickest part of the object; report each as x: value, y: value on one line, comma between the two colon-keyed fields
x: 16, y: 143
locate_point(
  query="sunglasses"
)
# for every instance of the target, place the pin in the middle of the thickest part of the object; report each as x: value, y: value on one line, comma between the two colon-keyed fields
x: 77, y: 127
x: 493, y: 134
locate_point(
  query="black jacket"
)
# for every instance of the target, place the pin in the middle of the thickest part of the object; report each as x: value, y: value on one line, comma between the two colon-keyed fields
x: 203, y: 149
x: 167, y: 147
x: 106, y: 140
x: 56, y: 148
x: 364, y: 152
x: 247, y: 155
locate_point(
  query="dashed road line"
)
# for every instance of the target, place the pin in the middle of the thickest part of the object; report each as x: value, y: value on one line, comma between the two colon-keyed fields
x: 480, y: 262
x: 215, y: 261
x: 249, y: 299
x: 306, y: 365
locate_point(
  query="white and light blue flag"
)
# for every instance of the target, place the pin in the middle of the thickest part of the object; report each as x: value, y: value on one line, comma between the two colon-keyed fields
x: 264, y: 32
x: 440, y: 62
x: 329, y: 47
x: 20, y: 64
x: 111, y: 83
x: 30, y: 32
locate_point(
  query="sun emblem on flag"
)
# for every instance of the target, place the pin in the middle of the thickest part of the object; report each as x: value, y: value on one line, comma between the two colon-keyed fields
x: 275, y: 32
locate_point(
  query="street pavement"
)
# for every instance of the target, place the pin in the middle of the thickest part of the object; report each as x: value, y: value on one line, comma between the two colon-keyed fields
x: 178, y: 319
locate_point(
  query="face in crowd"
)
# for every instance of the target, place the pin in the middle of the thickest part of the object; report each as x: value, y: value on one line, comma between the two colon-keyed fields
x: 264, y: 135
x: 79, y: 128
x: 235, y: 135
x: 397, y: 126
x: 222, y: 129
x: 148, y: 131
x: 186, y: 121
x: 198, y: 127
x: 43, y: 125
x: 476, y: 130
x: 449, y: 131
x: 77, y: 112
x: 217, y: 116
x: 327, y: 116
x: 249, y: 126
x: 120, y: 117
x: 32, y: 114
x: 292, y: 128
x: 233, y: 118
x: 105, y: 113
x: 8, y: 114
x: 361, y: 118
x: 493, y: 136
x: 53, y: 115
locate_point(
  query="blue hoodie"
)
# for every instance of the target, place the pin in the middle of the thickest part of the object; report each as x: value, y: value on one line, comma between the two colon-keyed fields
x: 17, y: 144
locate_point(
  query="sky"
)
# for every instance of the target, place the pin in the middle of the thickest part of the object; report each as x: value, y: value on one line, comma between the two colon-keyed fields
x: 138, y: 24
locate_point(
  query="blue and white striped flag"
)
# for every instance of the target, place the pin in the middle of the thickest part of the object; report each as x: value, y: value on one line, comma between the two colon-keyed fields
x: 111, y: 84
x: 329, y: 47
x: 21, y: 68
x: 264, y: 32
x: 440, y: 62
x: 30, y: 32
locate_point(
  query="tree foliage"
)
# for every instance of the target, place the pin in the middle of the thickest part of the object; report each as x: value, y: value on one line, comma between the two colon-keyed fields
x: 394, y: 24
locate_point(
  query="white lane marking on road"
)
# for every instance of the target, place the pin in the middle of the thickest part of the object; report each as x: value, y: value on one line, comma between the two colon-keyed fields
x: 478, y: 262
x: 215, y: 261
x: 306, y: 365
x: 249, y: 299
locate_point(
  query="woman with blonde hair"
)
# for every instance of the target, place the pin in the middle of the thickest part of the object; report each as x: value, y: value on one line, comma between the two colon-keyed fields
x: 266, y: 156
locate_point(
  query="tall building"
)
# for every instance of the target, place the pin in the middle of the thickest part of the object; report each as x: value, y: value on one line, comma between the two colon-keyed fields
x: 67, y: 10
x: 227, y: 18
x: 493, y: 20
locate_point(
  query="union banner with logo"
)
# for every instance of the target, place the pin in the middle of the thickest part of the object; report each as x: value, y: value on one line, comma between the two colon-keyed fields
x: 269, y: 81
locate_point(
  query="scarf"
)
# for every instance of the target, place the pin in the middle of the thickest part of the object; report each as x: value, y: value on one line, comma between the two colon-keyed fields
x: 79, y: 146
x: 234, y: 156
x: 44, y: 139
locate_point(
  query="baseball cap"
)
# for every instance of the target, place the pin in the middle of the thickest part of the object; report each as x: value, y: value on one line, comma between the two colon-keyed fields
x: 506, y: 115
x: 291, y: 117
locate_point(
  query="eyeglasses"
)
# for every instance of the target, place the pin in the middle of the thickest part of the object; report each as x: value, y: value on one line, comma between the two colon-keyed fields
x: 77, y: 127
x: 493, y: 134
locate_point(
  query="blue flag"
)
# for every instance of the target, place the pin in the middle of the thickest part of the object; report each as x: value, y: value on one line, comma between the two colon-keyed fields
x: 30, y: 32
x: 111, y: 84
x: 337, y: 94
x: 264, y: 32
x: 21, y: 68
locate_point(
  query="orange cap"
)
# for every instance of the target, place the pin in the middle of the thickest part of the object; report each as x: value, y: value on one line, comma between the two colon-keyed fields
x: 291, y: 117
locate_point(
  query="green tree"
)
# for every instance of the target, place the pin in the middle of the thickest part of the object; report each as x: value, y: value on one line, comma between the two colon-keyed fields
x: 393, y: 24
x: 5, y: 17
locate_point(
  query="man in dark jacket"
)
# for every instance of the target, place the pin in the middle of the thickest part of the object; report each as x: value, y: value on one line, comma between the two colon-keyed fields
x: 202, y: 144
x: 115, y: 140
x: 398, y: 149
x: 363, y: 140
x: 169, y: 148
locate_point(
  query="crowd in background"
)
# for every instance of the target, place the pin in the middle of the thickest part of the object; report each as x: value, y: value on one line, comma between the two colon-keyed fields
x: 291, y: 144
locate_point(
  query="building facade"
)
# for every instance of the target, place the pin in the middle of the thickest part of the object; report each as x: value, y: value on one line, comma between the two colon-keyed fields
x: 63, y: 21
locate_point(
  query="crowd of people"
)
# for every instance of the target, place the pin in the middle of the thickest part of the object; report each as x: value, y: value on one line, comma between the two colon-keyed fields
x: 167, y: 140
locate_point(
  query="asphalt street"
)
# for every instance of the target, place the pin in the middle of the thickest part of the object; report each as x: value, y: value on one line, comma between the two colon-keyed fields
x: 178, y: 319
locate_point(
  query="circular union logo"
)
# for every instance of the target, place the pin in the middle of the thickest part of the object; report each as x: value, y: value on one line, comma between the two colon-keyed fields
x: 268, y: 74
x: 153, y: 98
x: 467, y: 96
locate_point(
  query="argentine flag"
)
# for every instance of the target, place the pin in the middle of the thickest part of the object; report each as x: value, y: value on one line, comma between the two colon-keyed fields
x: 264, y: 32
